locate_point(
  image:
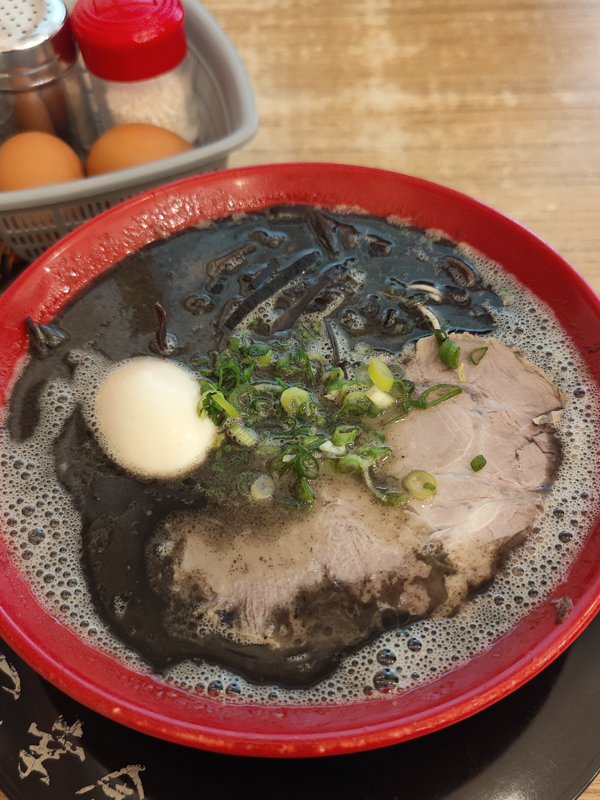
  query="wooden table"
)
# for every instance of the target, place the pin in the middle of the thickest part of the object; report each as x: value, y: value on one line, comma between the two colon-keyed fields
x: 500, y: 100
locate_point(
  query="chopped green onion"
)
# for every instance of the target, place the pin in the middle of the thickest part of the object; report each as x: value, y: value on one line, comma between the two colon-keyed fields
x: 394, y: 498
x: 401, y: 389
x: 449, y: 353
x: 243, y: 435
x: 225, y: 405
x: 267, y: 450
x: 229, y: 377
x: 263, y: 488
x: 362, y: 374
x: 258, y: 349
x: 453, y: 391
x: 386, y: 495
x: 265, y: 359
x: 336, y: 374
x: 264, y: 406
x: 302, y: 491
x: 375, y: 451
x: 478, y: 463
x: 306, y: 465
x: 380, y: 374
x: 408, y: 404
x: 356, y: 404
x: 477, y: 359
x: 380, y: 398
x: 281, y: 463
x: 331, y: 449
x: 344, y: 434
x: 420, y: 484
x: 342, y: 383
x: 245, y: 482
x: 313, y: 442
x: 351, y: 463
x: 295, y: 400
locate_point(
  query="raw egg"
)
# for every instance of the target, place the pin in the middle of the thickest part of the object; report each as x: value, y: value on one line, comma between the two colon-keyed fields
x: 34, y: 158
x: 147, y: 421
x: 131, y: 145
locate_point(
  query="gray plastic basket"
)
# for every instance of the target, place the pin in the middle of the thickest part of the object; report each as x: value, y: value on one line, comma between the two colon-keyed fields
x: 33, y: 219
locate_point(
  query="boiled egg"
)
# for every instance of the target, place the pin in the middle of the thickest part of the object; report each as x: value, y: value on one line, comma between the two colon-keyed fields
x: 145, y: 411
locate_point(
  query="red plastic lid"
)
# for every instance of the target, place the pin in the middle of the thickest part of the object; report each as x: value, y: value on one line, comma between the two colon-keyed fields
x: 129, y: 40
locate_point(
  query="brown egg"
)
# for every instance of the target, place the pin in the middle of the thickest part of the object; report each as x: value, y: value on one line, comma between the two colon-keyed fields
x: 131, y: 145
x: 32, y: 113
x: 33, y: 159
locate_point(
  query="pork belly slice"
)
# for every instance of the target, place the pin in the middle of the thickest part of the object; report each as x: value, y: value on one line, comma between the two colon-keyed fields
x: 349, y: 542
x: 475, y: 515
x: 270, y: 574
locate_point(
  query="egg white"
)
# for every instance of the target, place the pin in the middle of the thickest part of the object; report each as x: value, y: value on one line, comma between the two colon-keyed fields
x: 147, y: 420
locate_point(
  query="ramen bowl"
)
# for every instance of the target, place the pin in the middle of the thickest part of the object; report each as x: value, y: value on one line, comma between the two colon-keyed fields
x: 143, y: 700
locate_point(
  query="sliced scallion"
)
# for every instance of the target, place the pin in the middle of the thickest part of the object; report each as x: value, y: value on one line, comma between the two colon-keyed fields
x: 385, y: 494
x: 478, y: 463
x: 351, y: 463
x: 336, y: 374
x: 401, y: 389
x: 380, y: 374
x: 263, y: 488
x: 356, y: 404
x: 420, y: 484
x: 380, y: 398
x: 295, y: 400
x: 344, y: 434
x: 265, y: 359
x: 302, y: 491
x: 306, y: 465
x: 449, y: 353
x: 243, y: 435
x: 331, y: 449
x: 430, y: 398
x: 225, y: 405
x: 477, y: 354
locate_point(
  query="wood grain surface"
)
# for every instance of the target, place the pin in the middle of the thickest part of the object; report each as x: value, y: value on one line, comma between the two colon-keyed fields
x: 500, y: 100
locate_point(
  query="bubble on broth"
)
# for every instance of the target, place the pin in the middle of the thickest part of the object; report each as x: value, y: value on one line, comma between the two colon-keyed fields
x: 40, y: 518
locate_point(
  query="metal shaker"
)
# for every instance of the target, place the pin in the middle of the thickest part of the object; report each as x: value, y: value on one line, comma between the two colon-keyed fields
x: 42, y: 85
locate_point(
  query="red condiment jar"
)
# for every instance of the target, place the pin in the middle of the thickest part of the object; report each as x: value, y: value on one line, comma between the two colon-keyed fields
x: 141, y: 70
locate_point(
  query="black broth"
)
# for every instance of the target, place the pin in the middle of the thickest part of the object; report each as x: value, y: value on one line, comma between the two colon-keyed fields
x: 210, y: 281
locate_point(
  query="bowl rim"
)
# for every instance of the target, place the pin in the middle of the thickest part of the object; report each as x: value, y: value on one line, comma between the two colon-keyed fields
x: 95, y: 678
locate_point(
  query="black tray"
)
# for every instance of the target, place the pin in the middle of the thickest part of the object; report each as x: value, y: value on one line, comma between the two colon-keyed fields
x: 540, y: 743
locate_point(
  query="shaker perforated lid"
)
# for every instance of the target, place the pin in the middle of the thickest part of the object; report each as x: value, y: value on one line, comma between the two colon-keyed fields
x: 36, y: 44
x: 129, y: 40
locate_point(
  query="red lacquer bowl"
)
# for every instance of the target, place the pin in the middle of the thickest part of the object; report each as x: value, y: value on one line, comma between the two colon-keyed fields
x: 141, y: 701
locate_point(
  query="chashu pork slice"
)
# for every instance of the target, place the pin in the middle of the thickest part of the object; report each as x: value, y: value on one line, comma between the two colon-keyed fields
x: 348, y: 544
x: 270, y: 568
x: 475, y: 515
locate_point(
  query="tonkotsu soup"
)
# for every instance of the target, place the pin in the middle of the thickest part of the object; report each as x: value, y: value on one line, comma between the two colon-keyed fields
x: 299, y: 456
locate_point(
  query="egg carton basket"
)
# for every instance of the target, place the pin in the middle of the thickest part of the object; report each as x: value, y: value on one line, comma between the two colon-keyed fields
x: 33, y: 219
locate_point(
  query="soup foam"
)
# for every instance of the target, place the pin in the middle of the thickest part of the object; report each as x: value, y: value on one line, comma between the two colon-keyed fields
x: 41, y: 529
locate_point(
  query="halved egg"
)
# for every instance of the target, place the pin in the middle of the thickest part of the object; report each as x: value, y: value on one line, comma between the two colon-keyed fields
x: 147, y: 420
